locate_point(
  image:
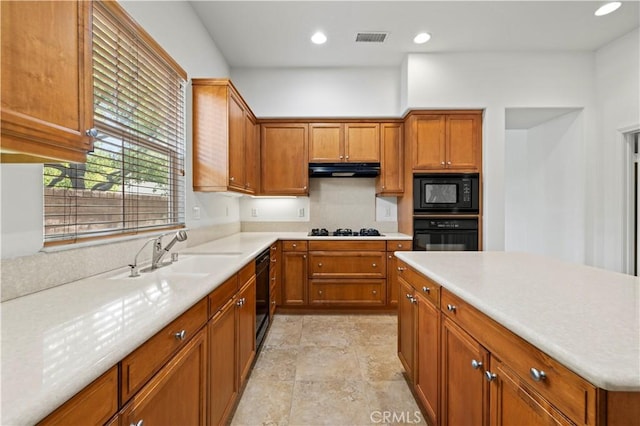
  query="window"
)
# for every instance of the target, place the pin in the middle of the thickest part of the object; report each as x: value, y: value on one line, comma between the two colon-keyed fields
x: 134, y: 179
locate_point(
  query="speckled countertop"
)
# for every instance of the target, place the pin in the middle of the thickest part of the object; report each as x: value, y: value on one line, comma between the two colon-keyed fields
x: 57, y: 341
x: 584, y: 317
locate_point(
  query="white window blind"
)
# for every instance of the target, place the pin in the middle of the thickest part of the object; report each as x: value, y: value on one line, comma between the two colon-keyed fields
x: 133, y: 181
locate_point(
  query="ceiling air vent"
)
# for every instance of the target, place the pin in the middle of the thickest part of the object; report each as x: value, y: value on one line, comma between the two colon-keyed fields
x: 371, y: 37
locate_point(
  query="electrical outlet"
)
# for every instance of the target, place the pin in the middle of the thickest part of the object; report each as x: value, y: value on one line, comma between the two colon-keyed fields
x: 227, y: 211
x: 254, y: 213
x: 301, y: 212
x: 387, y: 212
x: 196, y: 213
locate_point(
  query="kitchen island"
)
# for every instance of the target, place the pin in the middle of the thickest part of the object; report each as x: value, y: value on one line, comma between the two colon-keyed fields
x: 512, y: 308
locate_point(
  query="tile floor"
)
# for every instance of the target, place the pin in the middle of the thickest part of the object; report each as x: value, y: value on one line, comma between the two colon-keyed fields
x: 337, y: 370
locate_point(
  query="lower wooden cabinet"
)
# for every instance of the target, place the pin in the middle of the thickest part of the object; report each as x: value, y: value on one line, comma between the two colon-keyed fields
x: 406, y: 327
x: 176, y: 395
x: 392, y: 269
x: 465, y: 391
x: 427, y: 356
x: 347, y: 292
x: 294, y: 273
x: 246, y: 335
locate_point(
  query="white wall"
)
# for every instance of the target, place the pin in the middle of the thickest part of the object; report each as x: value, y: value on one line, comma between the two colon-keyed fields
x: 617, y: 83
x: 495, y: 81
x: 544, y: 189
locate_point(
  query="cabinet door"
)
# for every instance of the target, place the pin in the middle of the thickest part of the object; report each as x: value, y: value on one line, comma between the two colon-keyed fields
x: 514, y: 403
x: 463, y: 147
x: 427, y: 364
x: 246, y: 328
x: 284, y: 159
x: 465, y: 391
x: 428, y: 142
x: 237, y: 129
x: 391, y: 180
x: 223, y: 379
x: 362, y: 142
x: 47, y: 88
x: 252, y: 149
x: 294, y: 280
x: 406, y: 327
x: 176, y: 395
x: 326, y: 143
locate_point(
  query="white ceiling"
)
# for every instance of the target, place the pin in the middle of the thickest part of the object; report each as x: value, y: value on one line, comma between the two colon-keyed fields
x: 276, y: 33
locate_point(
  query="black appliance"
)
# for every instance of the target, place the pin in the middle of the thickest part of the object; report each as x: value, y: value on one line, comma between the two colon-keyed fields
x: 445, y: 234
x: 344, y: 169
x: 345, y: 232
x: 262, y: 296
x: 446, y: 193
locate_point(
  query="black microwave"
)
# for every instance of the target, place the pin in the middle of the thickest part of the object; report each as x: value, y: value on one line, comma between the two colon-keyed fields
x: 446, y: 193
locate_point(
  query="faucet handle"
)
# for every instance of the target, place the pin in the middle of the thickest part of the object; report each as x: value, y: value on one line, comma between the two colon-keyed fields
x: 134, y: 271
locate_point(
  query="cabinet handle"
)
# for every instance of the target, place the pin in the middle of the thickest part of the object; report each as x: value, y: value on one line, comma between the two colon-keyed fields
x: 414, y: 300
x: 139, y: 423
x: 341, y: 157
x: 373, y: 265
x: 273, y: 248
x: 426, y: 289
x: 451, y: 308
x: 93, y: 132
x: 319, y: 291
x: 304, y: 187
x: 294, y: 245
x: 180, y: 335
x: 399, y: 245
x: 232, y: 178
x: 319, y: 264
x: 390, y: 257
x: 490, y: 376
x: 239, y: 303
x: 409, y: 296
x: 304, y: 256
x: 449, y: 163
x: 375, y: 292
x: 273, y: 302
x: 273, y: 260
x: 400, y: 268
x: 442, y: 163
x: 273, y: 279
x: 537, y: 375
x: 347, y: 157
x: 475, y: 364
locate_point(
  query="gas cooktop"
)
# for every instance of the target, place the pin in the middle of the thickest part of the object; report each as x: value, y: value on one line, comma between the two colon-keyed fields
x: 345, y: 232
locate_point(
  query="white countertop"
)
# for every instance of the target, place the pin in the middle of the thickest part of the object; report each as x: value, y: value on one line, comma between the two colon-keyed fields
x: 57, y: 341
x: 586, y: 318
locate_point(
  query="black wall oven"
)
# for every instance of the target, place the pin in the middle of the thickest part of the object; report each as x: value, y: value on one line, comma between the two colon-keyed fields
x: 446, y: 193
x: 445, y: 234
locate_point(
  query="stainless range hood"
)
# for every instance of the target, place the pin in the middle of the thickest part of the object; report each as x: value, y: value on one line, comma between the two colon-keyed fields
x: 344, y: 169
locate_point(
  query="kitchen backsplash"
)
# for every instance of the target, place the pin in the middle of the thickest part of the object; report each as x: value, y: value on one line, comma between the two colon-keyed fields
x: 29, y: 274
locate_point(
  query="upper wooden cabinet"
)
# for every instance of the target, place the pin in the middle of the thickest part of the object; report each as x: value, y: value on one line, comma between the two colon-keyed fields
x: 391, y: 179
x: 47, y: 88
x: 344, y: 142
x: 284, y: 154
x: 224, y: 151
x: 446, y: 141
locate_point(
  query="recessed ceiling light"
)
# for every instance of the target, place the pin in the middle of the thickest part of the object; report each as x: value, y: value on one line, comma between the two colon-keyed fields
x: 422, y: 38
x: 319, y: 38
x: 607, y: 8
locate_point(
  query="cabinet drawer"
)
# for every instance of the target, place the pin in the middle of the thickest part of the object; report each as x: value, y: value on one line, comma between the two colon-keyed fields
x: 347, y: 264
x: 570, y: 393
x: 245, y: 274
x: 423, y: 285
x: 400, y: 245
x: 141, y: 364
x: 95, y: 404
x: 347, y: 292
x: 294, y: 245
x: 219, y: 297
x: 332, y: 245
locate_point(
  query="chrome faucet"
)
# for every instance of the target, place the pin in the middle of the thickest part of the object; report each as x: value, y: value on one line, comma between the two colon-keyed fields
x: 158, y: 252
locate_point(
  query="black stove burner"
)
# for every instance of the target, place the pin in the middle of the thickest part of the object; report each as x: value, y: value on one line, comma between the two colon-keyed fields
x: 345, y: 232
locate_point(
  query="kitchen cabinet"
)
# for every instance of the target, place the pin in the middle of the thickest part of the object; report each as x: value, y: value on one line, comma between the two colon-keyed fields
x: 47, y: 111
x: 427, y: 356
x: 252, y: 153
x: 294, y: 273
x: 284, y: 159
x: 176, y: 395
x: 246, y: 328
x: 449, y: 141
x: 392, y: 269
x: 95, y: 404
x: 347, y: 273
x: 465, y: 391
x: 391, y: 179
x: 344, y: 142
x: 275, y: 297
x: 224, y: 152
x: 406, y: 328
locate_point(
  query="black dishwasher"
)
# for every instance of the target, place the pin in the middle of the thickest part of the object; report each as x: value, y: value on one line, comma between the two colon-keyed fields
x: 262, y: 296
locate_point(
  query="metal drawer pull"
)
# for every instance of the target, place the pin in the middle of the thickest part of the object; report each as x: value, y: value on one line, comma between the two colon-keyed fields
x: 476, y: 364
x: 373, y: 265
x: 180, y: 335
x: 401, y: 268
x: 451, y: 308
x: 139, y: 423
x: 414, y: 300
x: 426, y: 289
x: 92, y: 132
x: 537, y: 375
x: 409, y: 296
x: 319, y: 264
x: 490, y: 376
x: 375, y: 292
x: 399, y: 245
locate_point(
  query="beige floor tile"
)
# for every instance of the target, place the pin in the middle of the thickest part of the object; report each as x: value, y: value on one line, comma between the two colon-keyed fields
x: 264, y: 402
x: 336, y: 402
x: 378, y: 363
x: 284, y: 332
x: 370, y: 334
x: 327, y: 331
x: 327, y: 363
x: 276, y: 363
x: 391, y: 402
x: 375, y: 318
